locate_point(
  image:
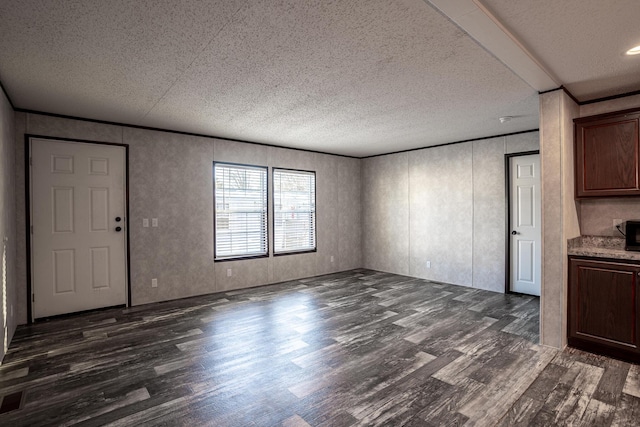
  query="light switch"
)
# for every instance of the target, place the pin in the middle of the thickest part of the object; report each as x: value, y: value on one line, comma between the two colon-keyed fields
x: 145, y: 222
x: 154, y: 222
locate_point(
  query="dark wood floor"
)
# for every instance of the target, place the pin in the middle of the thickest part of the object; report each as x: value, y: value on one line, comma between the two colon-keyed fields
x: 354, y: 348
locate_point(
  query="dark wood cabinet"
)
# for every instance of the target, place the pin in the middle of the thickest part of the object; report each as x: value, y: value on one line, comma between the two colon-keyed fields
x: 604, y: 299
x: 607, y: 150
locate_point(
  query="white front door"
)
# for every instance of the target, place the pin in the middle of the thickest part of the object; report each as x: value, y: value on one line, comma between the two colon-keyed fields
x: 78, y: 215
x: 526, y: 226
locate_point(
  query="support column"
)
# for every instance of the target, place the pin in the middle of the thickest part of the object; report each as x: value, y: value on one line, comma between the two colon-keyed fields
x: 559, y: 212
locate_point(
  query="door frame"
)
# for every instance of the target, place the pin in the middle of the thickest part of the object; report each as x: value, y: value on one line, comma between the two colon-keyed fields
x: 507, y: 239
x: 27, y: 198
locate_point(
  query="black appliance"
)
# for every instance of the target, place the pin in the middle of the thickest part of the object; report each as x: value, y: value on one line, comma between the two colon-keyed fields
x: 632, y: 235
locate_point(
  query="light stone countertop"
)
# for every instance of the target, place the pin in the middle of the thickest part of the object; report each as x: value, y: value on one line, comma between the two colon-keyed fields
x: 601, y: 247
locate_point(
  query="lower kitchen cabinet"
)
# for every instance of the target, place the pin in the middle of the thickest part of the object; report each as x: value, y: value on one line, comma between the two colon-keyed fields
x: 604, y: 299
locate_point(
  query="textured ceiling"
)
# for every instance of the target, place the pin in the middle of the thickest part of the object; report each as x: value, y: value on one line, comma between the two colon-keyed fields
x: 351, y: 77
x: 582, y: 41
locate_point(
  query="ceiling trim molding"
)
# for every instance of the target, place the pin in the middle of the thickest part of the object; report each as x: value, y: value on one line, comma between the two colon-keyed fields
x: 570, y: 95
x: 6, y: 94
x: 565, y: 90
x: 105, y: 122
x: 451, y: 143
x: 609, y: 98
x: 550, y: 90
x: 477, y: 20
x: 592, y: 101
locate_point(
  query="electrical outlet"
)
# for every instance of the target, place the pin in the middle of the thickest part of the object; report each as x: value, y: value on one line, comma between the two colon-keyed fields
x: 154, y: 222
x: 154, y: 283
x: 428, y: 264
x: 332, y: 259
x: 614, y: 229
x: 145, y: 222
x: 229, y: 272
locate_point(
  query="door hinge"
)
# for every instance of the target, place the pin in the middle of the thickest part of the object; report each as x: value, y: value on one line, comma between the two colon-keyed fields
x: 30, y: 161
x: 33, y: 297
x: 32, y: 229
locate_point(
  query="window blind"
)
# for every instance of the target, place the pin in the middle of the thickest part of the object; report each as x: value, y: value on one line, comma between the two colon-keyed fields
x: 294, y: 211
x: 240, y: 210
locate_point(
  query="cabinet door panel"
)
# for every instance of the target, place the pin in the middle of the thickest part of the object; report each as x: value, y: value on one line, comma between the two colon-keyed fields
x: 604, y: 303
x: 609, y: 160
x: 607, y: 155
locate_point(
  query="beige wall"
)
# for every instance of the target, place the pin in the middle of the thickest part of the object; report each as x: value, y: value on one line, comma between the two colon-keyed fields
x: 597, y: 215
x: 559, y: 211
x: 170, y: 178
x: 443, y: 204
x: 552, y: 307
x: 8, y: 288
x: 385, y: 213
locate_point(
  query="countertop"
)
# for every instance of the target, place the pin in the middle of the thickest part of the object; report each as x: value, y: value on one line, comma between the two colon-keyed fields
x: 601, y: 247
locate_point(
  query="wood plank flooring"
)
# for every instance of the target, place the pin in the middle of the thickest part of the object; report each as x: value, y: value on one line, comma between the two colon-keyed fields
x: 360, y: 348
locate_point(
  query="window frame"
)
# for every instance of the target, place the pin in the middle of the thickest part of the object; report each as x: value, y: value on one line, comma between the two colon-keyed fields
x: 216, y: 258
x: 315, y: 213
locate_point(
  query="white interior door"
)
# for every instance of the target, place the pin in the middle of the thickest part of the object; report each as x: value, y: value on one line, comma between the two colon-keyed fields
x: 526, y: 226
x: 77, y: 203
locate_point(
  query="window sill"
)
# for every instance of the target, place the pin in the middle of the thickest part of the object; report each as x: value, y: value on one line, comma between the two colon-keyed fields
x: 305, y: 251
x: 240, y: 258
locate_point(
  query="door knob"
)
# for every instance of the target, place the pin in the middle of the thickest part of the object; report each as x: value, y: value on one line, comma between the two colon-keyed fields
x: 118, y: 229
x: 118, y: 219
x: 514, y: 232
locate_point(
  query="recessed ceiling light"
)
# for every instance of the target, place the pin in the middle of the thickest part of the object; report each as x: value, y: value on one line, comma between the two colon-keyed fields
x: 634, y: 51
x: 505, y: 119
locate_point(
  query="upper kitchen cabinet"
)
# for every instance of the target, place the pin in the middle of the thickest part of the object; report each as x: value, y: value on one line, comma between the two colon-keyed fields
x: 606, y: 155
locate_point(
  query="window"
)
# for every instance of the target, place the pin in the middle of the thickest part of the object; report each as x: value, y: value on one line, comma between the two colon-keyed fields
x: 240, y: 211
x: 294, y: 211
